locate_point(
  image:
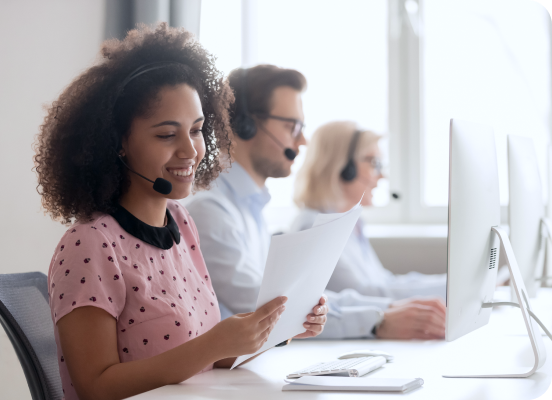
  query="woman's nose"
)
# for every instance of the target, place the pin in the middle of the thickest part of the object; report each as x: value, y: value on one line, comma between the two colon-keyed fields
x: 186, y: 148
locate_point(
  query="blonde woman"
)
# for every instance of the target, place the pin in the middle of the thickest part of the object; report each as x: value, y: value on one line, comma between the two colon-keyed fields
x: 342, y: 166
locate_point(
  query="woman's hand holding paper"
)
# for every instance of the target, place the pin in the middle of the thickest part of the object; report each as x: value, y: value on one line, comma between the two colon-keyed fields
x: 316, y: 320
x: 246, y: 333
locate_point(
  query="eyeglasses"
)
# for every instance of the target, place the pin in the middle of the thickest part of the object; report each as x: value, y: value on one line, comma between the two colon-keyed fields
x: 376, y: 164
x: 297, y: 128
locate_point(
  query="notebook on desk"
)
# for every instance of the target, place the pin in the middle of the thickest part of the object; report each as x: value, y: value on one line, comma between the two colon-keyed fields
x: 324, y: 383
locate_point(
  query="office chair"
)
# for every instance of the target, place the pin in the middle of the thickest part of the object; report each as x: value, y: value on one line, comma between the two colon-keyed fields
x: 25, y: 316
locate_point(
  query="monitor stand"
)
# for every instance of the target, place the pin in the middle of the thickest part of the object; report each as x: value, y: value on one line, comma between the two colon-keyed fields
x: 520, y: 292
x: 541, y: 273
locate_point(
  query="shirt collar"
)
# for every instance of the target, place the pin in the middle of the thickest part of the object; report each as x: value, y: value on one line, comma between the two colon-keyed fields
x: 162, y: 237
x: 243, y: 186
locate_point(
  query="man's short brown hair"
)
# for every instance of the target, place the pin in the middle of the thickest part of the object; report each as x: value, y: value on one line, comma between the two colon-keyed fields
x: 258, y: 84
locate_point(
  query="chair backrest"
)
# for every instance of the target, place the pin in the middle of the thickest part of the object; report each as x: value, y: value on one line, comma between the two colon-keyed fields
x: 25, y: 316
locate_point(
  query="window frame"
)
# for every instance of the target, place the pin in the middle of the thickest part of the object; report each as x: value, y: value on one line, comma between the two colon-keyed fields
x: 406, y: 125
x: 405, y: 122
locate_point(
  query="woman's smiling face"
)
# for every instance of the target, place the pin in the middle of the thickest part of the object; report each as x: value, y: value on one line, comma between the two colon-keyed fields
x: 167, y: 142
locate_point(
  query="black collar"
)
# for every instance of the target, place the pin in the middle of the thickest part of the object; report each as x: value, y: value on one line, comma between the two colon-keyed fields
x: 159, y: 237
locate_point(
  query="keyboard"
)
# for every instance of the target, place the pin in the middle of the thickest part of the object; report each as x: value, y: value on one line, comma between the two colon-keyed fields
x: 355, y: 367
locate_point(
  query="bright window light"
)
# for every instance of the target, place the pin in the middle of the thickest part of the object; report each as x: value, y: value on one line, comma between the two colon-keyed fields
x: 488, y: 62
x: 220, y: 32
x: 341, y: 48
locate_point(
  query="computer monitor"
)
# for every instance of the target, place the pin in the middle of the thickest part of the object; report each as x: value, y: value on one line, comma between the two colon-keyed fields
x: 474, y: 208
x: 474, y: 239
x: 528, y: 231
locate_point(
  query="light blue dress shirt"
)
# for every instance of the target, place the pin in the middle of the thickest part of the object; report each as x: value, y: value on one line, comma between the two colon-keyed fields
x: 234, y: 242
x: 233, y: 236
x: 359, y: 268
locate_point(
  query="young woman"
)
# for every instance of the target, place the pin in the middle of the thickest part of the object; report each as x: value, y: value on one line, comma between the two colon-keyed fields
x: 324, y: 185
x: 130, y: 295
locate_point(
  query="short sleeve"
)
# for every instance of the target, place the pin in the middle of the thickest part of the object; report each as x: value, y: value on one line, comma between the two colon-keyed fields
x: 86, y: 272
x: 194, y: 228
x: 182, y: 213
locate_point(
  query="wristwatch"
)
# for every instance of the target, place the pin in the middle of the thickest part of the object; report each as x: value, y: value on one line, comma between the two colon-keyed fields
x: 378, y: 322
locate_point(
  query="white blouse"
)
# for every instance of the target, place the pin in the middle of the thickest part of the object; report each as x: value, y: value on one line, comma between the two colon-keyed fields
x: 235, y: 243
x: 360, y: 269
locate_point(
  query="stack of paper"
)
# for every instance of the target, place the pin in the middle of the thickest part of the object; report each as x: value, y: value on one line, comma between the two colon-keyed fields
x: 325, y: 383
x: 299, y: 266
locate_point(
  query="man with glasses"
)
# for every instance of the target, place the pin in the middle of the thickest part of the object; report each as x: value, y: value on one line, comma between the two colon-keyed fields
x: 267, y: 119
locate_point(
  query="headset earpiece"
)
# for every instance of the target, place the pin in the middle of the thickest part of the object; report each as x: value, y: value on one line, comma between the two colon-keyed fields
x: 349, y: 172
x: 244, y: 126
x: 243, y: 123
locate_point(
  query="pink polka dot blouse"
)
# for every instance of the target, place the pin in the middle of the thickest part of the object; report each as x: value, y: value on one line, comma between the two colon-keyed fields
x: 161, y: 297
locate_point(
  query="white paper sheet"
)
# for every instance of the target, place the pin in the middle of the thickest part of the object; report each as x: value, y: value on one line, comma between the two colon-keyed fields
x: 299, y: 266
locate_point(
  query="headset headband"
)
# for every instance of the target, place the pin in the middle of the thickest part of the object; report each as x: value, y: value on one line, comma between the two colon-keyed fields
x: 353, y: 145
x: 243, y: 96
x: 142, y: 70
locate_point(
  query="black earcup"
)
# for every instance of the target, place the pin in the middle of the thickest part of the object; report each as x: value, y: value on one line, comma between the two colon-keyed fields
x: 244, y: 126
x: 349, y: 173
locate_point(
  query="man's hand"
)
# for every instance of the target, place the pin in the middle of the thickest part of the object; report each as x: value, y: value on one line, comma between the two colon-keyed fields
x: 414, y: 318
x: 316, y: 320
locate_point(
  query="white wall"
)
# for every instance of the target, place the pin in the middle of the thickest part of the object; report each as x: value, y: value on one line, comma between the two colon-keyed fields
x: 43, y: 46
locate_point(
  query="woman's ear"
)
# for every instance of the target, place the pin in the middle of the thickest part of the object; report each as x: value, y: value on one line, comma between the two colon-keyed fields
x: 124, y: 143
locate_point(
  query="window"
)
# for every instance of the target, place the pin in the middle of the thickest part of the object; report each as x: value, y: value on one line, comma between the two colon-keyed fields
x: 401, y: 68
x: 342, y: 50
x: 220, y: 32
x: 489, y: 62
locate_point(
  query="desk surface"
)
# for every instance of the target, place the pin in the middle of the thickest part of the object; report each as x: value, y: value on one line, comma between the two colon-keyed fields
x: 489, y: 346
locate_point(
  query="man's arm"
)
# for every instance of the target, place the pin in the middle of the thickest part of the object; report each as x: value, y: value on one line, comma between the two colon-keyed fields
x: 235, y: 280
x: 353, y: 315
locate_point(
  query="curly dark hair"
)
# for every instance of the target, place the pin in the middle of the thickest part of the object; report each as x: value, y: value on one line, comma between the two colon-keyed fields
x: 76, y: 160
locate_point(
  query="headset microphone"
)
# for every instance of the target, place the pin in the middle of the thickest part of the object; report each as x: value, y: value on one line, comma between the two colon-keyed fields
x: 160, y: 185
x: 289, y: 153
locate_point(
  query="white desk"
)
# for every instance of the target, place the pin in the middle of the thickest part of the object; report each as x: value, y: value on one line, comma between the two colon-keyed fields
x: 263, y: 378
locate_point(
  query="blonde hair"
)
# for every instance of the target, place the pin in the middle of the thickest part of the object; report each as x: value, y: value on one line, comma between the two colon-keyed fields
x: 317, y: 183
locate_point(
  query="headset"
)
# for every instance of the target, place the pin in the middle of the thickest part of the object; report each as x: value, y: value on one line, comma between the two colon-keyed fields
x: 244, y: 125
x: 349, y: 172
x: 160, y: 185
